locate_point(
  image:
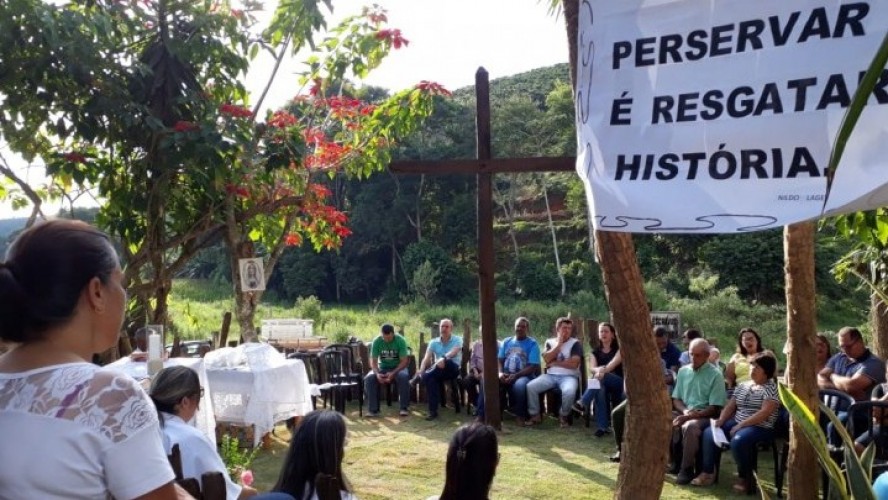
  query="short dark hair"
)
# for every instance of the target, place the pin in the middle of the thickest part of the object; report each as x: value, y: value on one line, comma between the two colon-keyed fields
x: 471, y: 463
x: 560, y: 321
x: 692, y: 333
x: 660, y: 331
x: 766, y: 362
x: 46, y: 269
x: 852, y: 332
x: 387, y: 328
x: 317, y: 447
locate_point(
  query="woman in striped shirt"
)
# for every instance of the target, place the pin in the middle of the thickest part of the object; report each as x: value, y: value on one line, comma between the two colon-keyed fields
x: 747, y: 420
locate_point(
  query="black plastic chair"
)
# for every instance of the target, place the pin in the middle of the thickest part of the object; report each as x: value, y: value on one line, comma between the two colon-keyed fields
x: 340, y: 381
x: 353, y: 366
x: 312, y: 370
x: 837, y: 401
x: 864, y: 411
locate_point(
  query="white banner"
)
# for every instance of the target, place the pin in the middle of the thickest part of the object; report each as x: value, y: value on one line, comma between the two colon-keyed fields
x: 720, y: 115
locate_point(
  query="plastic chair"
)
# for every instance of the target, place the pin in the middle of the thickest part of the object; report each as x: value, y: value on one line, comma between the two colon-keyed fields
x: 838, y: 402
x: 865, y: 410
x: 340, y: 380
x: 211, y: 485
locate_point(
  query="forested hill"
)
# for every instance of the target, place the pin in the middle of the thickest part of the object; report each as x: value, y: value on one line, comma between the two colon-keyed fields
x: 536, y: 84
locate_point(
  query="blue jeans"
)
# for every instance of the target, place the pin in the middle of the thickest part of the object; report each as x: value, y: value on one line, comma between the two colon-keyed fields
x: 517, y: 397
x: 611, y: 390
x: 371, y: 386
x: 744, y: 447
x: 432, y: 379
x: 567, y: 383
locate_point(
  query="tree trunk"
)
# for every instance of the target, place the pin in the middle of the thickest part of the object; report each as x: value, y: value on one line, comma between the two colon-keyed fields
x: 879, y: 319
x: 801, y: 317
x: 648, y: 425
x: 554, y: 238
x: 510, y: 218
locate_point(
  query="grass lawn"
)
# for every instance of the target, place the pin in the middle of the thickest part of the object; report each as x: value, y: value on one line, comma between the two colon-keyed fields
x: 391, y: 457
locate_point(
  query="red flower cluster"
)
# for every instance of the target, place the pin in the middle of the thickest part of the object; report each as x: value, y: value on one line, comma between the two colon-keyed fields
x: 393, y: 37
x: 327, y: 155
x: 239, y: 191
x: 293, y: 240
x: 315, y: 87
x: 282, y: 119
x: 183, y: 126
x: 74, y: 157
x: 235, y: 111
x: 433, y: 88
x: 312, y: 135
x: 320, y: 191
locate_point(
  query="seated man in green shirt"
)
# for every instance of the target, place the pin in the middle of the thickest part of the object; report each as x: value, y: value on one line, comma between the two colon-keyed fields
x: 388, y: 364
x: 698, y: 396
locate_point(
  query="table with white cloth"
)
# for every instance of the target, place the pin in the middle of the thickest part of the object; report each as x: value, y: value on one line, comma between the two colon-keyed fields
x: 260, y: 394
x: 205, y: 418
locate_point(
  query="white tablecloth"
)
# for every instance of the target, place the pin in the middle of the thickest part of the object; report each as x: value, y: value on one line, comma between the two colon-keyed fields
x: 260, y: 396
x: 205, y: 418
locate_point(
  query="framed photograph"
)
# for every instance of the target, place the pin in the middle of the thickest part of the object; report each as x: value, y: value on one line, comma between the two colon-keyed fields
x: 252, y: 275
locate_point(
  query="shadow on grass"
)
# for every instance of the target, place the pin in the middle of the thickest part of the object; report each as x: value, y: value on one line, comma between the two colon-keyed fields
x: 403, y: 458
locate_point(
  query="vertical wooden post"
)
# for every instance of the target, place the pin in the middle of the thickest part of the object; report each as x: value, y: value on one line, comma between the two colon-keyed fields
x: 486, y: 262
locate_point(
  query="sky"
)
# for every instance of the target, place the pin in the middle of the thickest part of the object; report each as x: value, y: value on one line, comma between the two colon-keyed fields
x: 449, y: 41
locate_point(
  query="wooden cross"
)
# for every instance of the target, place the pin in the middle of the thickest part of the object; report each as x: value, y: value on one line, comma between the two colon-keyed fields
x: 484, y: 167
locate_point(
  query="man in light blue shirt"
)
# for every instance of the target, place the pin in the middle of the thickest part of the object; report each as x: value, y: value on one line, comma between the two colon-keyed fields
x: 441, y: 362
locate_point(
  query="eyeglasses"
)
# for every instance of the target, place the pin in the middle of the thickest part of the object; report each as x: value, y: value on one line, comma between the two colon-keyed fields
x: 849, y: 345
x: 200, y: 394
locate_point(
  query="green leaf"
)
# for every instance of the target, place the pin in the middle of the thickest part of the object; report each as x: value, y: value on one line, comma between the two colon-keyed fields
x: 852, y: 114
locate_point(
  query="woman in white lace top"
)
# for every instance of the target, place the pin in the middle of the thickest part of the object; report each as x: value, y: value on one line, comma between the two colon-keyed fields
x: 68, y: 428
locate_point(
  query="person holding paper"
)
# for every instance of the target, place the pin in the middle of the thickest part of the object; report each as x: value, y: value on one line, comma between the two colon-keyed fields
x: 747, y: 420
x: 606, y: 382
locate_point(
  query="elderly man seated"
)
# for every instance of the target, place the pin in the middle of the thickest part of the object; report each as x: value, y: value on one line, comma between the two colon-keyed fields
x: 698, y: 396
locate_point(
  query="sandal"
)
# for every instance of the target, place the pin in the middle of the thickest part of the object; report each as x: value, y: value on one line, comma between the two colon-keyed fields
x: 741, y: 486
x: 563, y: 423
x: 703, y: 479
x: 534, y: 420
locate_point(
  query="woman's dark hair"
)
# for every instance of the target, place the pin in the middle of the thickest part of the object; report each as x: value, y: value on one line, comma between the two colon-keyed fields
x: 46, y: 269
x: 316, y: 449
x: 823, y: 338
x: 170, y: 386
x: 758, y: 341
x: 471, y: 463
x: 615, y: 344
x: 767, y: 362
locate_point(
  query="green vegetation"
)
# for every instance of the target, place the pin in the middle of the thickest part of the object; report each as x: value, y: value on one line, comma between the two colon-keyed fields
x: 197, y: 307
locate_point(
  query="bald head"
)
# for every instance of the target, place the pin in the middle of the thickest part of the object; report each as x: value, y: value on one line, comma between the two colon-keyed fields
x: 699, y: 350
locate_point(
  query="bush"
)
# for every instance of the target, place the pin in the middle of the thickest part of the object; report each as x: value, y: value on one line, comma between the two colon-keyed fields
x: 310, y: 308
x: 454, y: 280
x: 535, y: 279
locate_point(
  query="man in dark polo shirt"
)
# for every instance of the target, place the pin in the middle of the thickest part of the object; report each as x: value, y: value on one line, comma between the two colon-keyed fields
x: 854, y: 370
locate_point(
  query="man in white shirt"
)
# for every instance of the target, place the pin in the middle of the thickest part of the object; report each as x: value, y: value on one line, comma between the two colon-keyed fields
x: 563, y: 355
